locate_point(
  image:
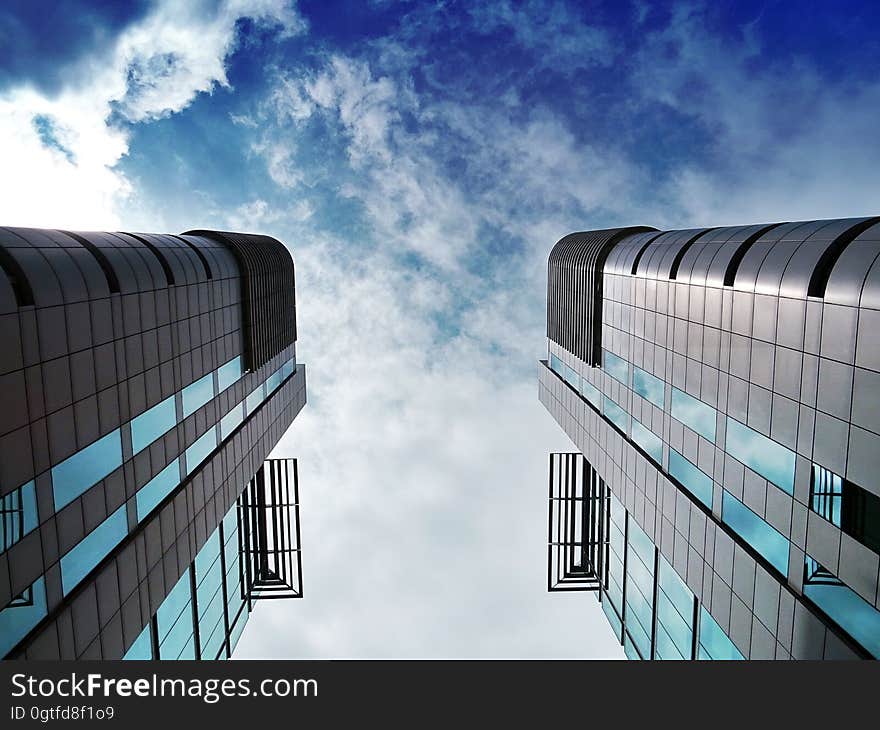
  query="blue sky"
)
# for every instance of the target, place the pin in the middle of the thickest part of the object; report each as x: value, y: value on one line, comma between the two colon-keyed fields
x: 420, y: 159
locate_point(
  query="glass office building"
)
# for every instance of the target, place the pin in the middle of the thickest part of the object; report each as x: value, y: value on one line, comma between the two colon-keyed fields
x: 145, y: 380
x: 722, y: 390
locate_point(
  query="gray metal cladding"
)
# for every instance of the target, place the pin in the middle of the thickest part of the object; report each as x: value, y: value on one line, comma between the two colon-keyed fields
x: 267, y: 292
x: 574, y: 289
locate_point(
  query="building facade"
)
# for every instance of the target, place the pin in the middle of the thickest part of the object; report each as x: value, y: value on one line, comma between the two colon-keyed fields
x: 722, y: 389
x: 145, y: 379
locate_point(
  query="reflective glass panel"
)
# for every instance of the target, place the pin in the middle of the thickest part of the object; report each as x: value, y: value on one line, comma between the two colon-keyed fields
x: 648, y: 386
x: 196, y: 394
x: 92, y: 549
x: 199, y: 451
x: 18, y: 515
x: 771, y: 460
x: 615, y: 414
x: 694, y: 414
x: 151, y: 424
x: 714, y: 643
x: 591, y: 393
x: 650, y: 442
x: 769, y: 543
x: 616, y: 367
x: 155, y: 490
x: 142, y: 649
x: 693, y: 479
x: 21, y: 615
x: 76, y: 474
x: 227, y: 374
x: 846, y: 607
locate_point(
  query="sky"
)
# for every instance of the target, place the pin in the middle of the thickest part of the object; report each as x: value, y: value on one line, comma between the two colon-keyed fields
x: 420, y: 159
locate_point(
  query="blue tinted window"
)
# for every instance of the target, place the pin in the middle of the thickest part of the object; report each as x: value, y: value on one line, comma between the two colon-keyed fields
x: 143, y: 646
x: 849, y: 610
x: 772, y: 545
x: 613, y: 618
x: 253, y: 400
x: 694, y: 414
x: 199, y: 451
x: 675, y: 610
x: 174, y: 622
x: 92, y: 549
x: 615, y: 414
x: 714, y: 643
x: 770, y: 459
x: 639, y: 588
x: 648, y: 440
x: 555, y: 364
x: 694, y: 480
x: 616, y: 366
x: 21, y: 615
x: 273, y: 381
x: 155, y: 490
x: 76, y: 474
x: 18, y: 515
x: 231, y: 421
x: 649, y: 387
x: 287, y: 369
x: 151, y: 424
x: 227, y: 374
x: 196, y: 394
x: 591, y: 393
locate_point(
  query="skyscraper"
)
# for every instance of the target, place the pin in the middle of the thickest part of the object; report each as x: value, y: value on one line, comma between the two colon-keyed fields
x: 144, y: 381
x: 722, y: 388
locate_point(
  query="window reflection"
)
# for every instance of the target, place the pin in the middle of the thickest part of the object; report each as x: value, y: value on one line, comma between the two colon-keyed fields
x: 615, y: 366
x: 152, y: 424
x: 615, y: 414
x: 92, y: 549
x: 771, y: 460
x: 196, y: 394
x: 853, y: 509
x: 768, y: 542
x: 691, y: 478
x: 843, y: 605
x: 18, y: 515
x: 694, y: 414
x: 650, y: 442
x: 652, y: 389
x: 714, y: 643
x: 75, y: 475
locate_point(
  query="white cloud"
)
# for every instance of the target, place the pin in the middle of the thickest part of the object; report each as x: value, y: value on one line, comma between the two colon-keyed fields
x: 156, y: 67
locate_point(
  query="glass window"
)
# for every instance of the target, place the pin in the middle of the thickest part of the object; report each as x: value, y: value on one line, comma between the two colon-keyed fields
x: 845, y: 504
x: 675, y: 611
x: 649, y: 387
x: 253, y: 400
x: 591, y: 393
x: 714, y: 643
x: 287, y: 369
x: 693, y: 479
x: 235, y: 634
x: 771, y: 460
x: 92, y: 549
x: 615, y: 414
x: 613, y: 618
x: 849, y: 610
x: 155, y: 490
x: 571, y: 377
x: 199, y: 451
x: 694, y: 414
x: 648, y: 441
x: 616, y: 367
x: 273, y: 381
x: 174, y: 622
x: 196, y: 394
x: 231, y: 421
x: 639, y: 588
x: 555, y: 364
x: 21, y: 614
x: 151, y: 424
x: 18, y: 515
x: 769, y: 543
x: 227, y: 374
x: 142, y: 649
x: 77, y: 473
